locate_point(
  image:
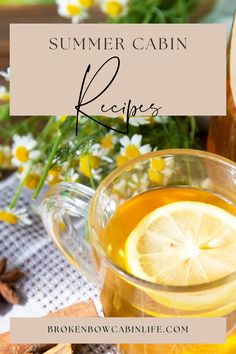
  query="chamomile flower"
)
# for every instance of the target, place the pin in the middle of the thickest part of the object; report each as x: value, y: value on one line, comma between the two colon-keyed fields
x: 5, y: 74
x: 54, y: 176
x: 108, y: 141
x: 4, y: 94
x: 32, y: 179
x: 72, y: 176
x: 5, y: 157
x: 120, y: 188
x: 138, y: 182
x: 72, y: 9
x: 132, y: 185
x: 114, y: 8
x: 161, y: 170
x: 131, y: 148
x: 98, y: 151
x: 86, y: 3
x: 89, y: 166
x: 23, y: 149
x: 13, y: 216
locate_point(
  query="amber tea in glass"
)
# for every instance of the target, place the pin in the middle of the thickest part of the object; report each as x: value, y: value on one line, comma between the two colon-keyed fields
x: 124, y: 201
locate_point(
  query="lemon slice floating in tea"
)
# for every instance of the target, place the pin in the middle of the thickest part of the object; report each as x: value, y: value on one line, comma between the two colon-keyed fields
x: 183, y: 243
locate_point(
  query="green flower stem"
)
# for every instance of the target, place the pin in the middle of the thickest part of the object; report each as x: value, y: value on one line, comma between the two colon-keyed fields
x: 19, y: 189
x: 193, y: 128
x: 16, y: 196
x: 48, y: 164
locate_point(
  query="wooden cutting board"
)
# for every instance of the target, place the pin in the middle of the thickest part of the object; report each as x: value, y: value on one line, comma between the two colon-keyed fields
x: 82, y: 309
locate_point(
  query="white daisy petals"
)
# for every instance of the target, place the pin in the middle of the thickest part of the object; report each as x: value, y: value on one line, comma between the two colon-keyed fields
x: 23, y: 149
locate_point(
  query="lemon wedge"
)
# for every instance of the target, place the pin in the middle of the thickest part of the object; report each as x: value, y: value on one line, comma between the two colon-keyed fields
x: 183, y: 243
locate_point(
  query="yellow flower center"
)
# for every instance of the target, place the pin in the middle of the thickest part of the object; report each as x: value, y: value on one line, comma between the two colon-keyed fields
x: 132, y: 151
x: 2, y: 158
x: 114, y: 8
x: 121, y: 160
x: 54, y: 176
x: 155, y: 176
x: 5, y: 97
x: 22, y: 154
x: 106, y: 142
x: 158, y: 164
x: 86, y: 3
x: 73, y: 10
x: 32, y: 181
x: 8, y: 217
x: 88, y: 162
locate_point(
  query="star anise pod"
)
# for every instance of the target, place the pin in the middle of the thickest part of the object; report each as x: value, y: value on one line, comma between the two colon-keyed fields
x: 7, y: 280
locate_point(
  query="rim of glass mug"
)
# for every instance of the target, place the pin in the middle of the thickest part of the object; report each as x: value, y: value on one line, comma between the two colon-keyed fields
x: 111, y: 177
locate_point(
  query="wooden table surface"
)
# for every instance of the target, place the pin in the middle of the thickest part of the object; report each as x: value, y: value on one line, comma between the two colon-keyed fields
x: 82, y: 309
x: 31, y: 14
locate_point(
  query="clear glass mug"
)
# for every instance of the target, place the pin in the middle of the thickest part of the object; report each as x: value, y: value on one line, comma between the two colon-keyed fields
x: 76, y: 218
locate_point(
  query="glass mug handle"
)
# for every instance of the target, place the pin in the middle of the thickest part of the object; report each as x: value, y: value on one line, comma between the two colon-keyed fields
x: 64, y: 212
